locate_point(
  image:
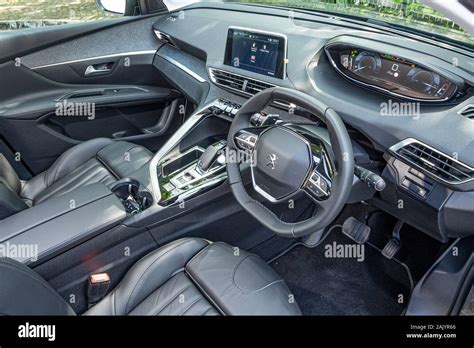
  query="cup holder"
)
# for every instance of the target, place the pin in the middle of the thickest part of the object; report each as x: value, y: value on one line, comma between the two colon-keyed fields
x: 125, y: 188
x: 145, y: 198
x: 129, y: 193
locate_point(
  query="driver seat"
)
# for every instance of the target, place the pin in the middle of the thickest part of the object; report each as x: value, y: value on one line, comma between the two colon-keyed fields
x: 189, y: 276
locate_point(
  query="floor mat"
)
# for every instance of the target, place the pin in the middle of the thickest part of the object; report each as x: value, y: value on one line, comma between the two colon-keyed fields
x: 335, y: 278
x: 272, y: 247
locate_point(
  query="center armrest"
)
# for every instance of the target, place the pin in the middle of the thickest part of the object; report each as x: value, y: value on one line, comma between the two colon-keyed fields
x: 63, y: 221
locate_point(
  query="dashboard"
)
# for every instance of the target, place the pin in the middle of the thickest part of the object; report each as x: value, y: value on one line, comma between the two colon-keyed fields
x: 356, y: 70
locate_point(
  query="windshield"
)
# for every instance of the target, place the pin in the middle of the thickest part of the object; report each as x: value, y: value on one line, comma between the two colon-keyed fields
x: 408, y: 13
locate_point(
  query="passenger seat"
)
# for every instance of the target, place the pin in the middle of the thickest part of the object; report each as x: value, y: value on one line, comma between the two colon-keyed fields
x: 98, y: 160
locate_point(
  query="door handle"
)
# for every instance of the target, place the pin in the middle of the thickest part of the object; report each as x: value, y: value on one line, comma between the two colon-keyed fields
x: 98, y: 69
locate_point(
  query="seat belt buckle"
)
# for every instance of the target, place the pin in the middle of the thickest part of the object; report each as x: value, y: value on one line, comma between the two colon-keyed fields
x: 97, y: 287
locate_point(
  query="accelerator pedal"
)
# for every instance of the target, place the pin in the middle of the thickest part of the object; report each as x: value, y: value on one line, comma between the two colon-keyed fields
x: 356, y: 230
x: 393, y: 245
x: 391, y: 248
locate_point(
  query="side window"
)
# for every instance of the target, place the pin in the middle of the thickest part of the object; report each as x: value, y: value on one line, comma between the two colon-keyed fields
x: 19, y: 14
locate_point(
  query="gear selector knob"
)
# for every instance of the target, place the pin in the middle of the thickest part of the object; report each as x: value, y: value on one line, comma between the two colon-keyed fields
x: 207, y: 158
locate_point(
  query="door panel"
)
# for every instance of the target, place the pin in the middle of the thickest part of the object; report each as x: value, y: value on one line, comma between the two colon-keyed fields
x: 133, y: 67
x: 99, y: 83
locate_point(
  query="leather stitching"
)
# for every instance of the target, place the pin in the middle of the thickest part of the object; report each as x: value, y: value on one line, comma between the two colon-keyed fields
x: 253, y: 291
x: 179, y: 292
x: 143, y: 274
x: 61, y: 160
x: 192, y: 304
x: 207, y: 310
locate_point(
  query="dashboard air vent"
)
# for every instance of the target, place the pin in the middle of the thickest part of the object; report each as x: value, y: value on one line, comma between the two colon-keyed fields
x: 241, y: 84
x: 165, y: 38
x: 467, y: 112
x: 434, y: 162
x: 228, y: 80
x: 238, y: 83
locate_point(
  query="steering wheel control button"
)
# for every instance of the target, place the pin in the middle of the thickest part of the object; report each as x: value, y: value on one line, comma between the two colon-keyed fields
x: 319, y: 182
x: 246, y: 141
x: 318, y: 186
x: 315, y: 190
x: 282, y: 161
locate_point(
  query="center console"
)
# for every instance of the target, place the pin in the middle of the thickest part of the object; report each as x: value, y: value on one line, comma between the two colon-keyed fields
x: 179, y: 174
x: 191, y: 172
x: 62, y: 222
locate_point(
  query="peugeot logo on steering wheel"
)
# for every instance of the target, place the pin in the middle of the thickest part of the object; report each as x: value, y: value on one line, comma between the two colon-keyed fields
x: 271, y: 159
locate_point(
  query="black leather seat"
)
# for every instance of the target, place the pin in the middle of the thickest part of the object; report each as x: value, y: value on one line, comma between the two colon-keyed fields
x: 189, y: 276
x: 97, y: 160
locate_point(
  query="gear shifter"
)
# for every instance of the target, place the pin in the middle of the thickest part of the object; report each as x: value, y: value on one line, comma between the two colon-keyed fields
x: 207, y: 158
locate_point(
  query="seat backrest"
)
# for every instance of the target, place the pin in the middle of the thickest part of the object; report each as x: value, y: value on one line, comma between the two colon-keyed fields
x: 24, y: 292
x: 10, y: 186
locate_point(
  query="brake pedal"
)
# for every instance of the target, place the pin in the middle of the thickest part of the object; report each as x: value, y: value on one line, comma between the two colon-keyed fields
x: 391, y: 248
x: 356, y: 230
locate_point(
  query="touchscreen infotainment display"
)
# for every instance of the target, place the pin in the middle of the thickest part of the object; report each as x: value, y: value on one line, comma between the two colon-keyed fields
x: 258, y: 52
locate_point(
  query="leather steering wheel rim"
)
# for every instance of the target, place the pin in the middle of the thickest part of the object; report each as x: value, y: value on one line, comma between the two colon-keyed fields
x: 341, y: 146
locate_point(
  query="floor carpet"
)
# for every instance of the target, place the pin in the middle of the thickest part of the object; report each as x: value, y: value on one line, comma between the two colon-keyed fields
x: 324, y: 285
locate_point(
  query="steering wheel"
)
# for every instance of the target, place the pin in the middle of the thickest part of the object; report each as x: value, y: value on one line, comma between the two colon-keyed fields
x: 285, y: 162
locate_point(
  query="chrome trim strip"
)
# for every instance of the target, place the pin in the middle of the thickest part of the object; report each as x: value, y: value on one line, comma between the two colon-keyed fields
x: 218, y: 179
x: 409, y: 141
x: 460, y: 112
x: 132, y: 53
x: 383, y: 90
x: 172, y: 142
x: 184, y: 68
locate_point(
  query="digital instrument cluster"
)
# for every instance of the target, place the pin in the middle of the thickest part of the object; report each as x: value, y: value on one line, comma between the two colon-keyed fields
x: 391, y: 74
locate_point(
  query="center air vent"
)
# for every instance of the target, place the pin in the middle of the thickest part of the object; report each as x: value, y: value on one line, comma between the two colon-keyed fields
x: 434, y: 162
x: 238, y: 83
x: 467, y: 112
x: 243, y: 85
